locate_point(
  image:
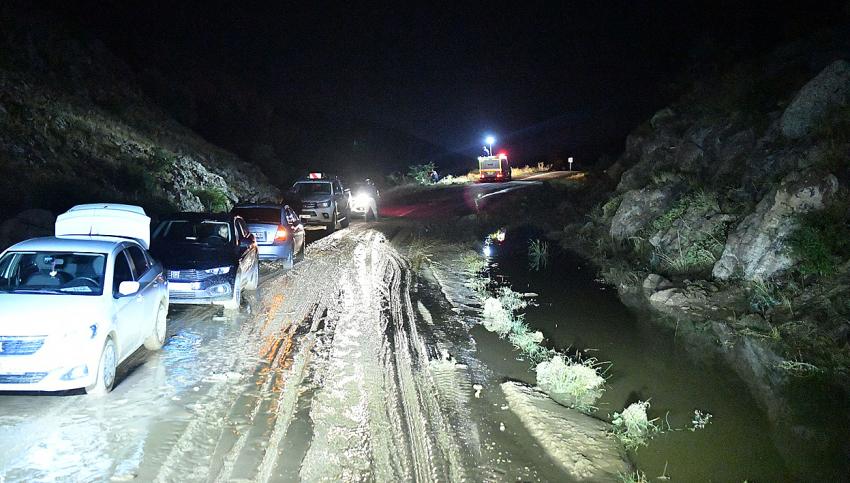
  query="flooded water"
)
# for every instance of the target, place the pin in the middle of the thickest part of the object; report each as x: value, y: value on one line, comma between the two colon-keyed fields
x: 648, y: 362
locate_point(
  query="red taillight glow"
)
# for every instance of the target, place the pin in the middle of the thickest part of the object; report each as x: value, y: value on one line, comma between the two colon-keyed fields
x: 281, y: 234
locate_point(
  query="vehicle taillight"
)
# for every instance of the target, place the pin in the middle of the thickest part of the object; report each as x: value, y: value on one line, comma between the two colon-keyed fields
x: 281, y: 234
x: 499, y: 175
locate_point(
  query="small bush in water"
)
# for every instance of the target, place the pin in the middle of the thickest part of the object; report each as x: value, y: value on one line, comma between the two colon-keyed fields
x: 496, y: 318
x: 538, y: 255
x: 473, y: 262
x: 700, y: 420
x: 574, y: 384
x: 633, y: 427
x: 510, y: 300
x: 528, y: 342
x: 636, y: 477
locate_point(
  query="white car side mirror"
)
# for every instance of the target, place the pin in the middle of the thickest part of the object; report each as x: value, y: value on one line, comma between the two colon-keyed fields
x: 128, y: 288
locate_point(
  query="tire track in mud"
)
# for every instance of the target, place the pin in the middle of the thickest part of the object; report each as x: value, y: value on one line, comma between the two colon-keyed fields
x: 378, y: 414
x: 330, y: 378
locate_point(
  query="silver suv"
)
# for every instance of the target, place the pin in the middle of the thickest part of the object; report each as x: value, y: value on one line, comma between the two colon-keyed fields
x: 324, y: 202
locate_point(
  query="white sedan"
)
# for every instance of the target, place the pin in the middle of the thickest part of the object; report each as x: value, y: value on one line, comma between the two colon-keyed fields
x: 73, y: 307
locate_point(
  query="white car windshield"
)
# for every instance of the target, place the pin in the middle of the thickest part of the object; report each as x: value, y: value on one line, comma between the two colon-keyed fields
x: 64, y: 273
x: 210, y: 232
x: 313, y: 188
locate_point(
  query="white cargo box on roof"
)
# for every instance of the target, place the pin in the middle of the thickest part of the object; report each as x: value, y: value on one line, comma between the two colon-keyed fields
x: 106, y: 219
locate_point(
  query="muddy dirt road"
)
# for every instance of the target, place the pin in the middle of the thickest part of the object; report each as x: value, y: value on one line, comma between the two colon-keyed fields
x: 335, y: 371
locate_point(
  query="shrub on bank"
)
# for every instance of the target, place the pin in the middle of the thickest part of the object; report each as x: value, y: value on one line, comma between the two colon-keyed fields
x: 821, y: 240
x: 213, y: 199
x: 574, y: 384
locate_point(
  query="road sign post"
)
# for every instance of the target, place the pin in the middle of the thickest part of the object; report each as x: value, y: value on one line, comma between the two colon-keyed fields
x: 570, y: 160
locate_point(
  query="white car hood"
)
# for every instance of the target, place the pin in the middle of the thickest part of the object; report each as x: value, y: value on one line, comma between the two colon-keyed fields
x: 41, y: 314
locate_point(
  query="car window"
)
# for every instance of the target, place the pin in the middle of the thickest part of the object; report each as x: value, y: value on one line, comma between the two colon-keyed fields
x: 52, y: 272
x: 140, y: 262
x: 207, y: 231
x: 121, y: 271
x: 312, y: 188
x: 337, y: 187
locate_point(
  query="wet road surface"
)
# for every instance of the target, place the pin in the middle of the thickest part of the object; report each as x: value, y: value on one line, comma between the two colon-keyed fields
x: 334, y: 371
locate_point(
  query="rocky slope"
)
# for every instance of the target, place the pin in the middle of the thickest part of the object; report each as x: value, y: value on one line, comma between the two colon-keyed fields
x: 74, y: 127
x: 730, y: 217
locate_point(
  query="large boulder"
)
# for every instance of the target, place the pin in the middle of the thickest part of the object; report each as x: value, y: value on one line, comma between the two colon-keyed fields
x: 757, y: 247
x: 30, y: 223
x: 827, y: 90
x: 580, y: 444
x: 640, y: 207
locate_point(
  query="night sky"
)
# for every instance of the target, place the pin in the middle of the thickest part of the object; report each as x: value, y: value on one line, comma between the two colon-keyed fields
x: 548, y: 79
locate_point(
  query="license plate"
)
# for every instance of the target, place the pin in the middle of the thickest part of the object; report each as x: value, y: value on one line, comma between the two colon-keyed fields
x: 306, y: 217
x: 261, y: 236
x: 180, y: 286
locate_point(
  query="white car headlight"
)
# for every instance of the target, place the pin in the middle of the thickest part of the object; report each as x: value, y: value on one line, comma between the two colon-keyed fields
x: 324, y: 204
x: 362, y: 199
x: 217, y: 270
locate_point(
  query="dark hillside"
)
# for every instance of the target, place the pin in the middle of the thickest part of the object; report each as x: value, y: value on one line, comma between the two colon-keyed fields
x: 75, y: 127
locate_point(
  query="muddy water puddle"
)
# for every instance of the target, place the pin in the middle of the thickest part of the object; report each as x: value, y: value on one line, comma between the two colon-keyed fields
x: 644, y: 361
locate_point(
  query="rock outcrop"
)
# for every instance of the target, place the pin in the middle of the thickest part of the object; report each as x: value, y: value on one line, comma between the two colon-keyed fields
x: 757, y: 248
x: 640, y: 207
x: 581, y: 445
x: 830, y: 89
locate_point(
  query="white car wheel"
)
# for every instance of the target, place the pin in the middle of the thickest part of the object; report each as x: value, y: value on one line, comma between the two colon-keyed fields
x: 157, y: 337
x: 105, y: 369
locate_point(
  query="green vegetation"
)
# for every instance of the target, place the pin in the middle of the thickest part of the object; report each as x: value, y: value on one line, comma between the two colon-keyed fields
x: 160, y: 161
x: 610, y: 207
x: 496, y: 318
x: 633, y: 427
x: 528, y: 342
x: 697, y: 256
x: 538, y: 255
x: 703, y: 248
x: 821, y: 241
x: 636, y: 476
x: 421, y: 173
x: 697, y: 201
x: 575, y: 384
x: 214, y: 199
x: 700, y: 420
x: 473, y: 262
x: 766, y: 294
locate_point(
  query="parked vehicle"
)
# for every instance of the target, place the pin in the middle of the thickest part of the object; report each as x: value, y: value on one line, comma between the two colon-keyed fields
x: 365, y: 199
x: 208, y: 258
x: 494, y: 168
x: 324, y: 202
x: 75, y: 305
x: 277, y: 229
